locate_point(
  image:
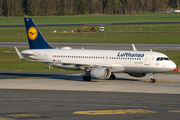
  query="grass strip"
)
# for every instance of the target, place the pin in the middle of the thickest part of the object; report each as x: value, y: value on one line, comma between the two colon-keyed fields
x: 92, y: 19
x: 164, y: 33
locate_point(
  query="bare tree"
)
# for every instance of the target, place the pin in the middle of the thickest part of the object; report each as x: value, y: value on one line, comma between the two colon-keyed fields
x: 130, y: 6
x: 109, y: 7
x: 117, y: 6
x: 163, y: 4
x: 148, y: 6
x: 1, y: 12
x: 70, y: 7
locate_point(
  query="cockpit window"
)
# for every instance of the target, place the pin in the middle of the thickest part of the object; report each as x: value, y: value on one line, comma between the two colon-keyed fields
x: 162, y: 58
x: 166, y: 59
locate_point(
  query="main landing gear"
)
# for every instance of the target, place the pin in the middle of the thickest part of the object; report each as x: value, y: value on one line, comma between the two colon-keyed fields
x: 112, y: 77
x: 152, y: 80
x: 86, y: 78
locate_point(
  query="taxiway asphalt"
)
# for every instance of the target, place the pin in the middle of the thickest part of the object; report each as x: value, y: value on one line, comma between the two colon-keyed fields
x: 73, y: 105
x: 166, y: 83
x: 61, y: 95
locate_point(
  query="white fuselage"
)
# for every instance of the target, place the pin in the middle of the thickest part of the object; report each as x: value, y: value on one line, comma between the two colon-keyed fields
x: 115, y: 60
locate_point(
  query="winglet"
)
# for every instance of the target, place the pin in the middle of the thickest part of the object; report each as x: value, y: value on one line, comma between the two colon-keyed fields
x: 134, y: 48
x: 19, y: 54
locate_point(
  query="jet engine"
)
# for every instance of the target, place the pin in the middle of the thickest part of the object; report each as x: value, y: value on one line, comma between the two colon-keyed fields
x: 137, y: 74
x: 100, y: 73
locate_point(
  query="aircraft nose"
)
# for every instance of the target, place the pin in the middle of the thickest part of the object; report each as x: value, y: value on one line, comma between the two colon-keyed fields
x: 172, y: 66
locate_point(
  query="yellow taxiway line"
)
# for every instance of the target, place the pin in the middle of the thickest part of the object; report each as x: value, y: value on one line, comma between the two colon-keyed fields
x: 174, y: 111
x: 110, y: 112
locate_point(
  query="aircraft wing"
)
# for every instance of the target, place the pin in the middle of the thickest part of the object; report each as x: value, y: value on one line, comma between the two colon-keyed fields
x: 112, y: 66
x: 82, y: 64
x: 95, y: 65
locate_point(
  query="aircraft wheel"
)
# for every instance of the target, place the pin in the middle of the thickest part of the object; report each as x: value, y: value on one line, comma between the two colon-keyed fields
x: 112, y: 77
x: 152, y: 80
x: 86, y: 78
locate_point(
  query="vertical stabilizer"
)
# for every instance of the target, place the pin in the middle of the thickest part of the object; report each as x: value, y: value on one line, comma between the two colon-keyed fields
x: 35, y: 38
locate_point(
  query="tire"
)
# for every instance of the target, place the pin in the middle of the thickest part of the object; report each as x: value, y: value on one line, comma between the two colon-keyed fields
x: 112, y: 77
x: 86, y: 78
x: 152, y: 80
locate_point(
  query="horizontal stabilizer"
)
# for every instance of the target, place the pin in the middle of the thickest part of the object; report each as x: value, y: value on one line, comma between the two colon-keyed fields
x: 19, y: 54
x: 22, y: 57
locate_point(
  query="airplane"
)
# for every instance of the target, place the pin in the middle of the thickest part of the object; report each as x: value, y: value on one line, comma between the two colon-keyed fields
x: 99, y: 64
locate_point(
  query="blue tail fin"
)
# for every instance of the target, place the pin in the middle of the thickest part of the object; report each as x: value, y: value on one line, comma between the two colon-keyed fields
x: 35, y: 38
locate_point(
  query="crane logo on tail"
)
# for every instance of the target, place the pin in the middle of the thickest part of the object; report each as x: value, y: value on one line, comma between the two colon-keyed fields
x: 32, y: 33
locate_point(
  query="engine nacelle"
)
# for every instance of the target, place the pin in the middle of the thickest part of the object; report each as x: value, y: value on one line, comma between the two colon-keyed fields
x: 100, y: 73
x: 137, y: 74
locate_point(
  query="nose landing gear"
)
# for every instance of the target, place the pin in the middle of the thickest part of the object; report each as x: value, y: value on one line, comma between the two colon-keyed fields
x: 152, y: 80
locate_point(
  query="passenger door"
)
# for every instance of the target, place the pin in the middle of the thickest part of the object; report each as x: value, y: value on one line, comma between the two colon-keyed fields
x: 147, y: 59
